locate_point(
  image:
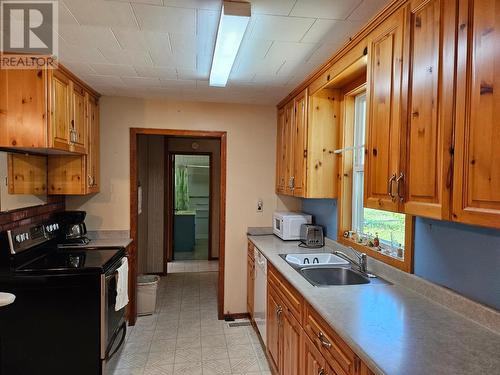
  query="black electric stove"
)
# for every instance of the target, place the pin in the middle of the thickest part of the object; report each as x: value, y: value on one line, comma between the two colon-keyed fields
x: 63, y: 320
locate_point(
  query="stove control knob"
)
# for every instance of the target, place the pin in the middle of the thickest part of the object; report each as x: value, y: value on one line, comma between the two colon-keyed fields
x: 19, y: 239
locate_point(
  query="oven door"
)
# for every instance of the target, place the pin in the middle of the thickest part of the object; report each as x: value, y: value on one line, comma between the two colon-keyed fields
x: 113, y: 324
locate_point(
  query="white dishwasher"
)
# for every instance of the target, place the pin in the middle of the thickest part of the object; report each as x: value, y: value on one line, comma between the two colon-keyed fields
x: 260, y: 293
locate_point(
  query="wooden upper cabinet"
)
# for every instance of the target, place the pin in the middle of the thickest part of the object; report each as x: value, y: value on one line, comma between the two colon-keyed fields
x: 300, y: 144
x: 60, y: 99
x: 93, y: 143
x: 424, y: 181
x: 27, y: 174
x: 288, y: 144
x: 383, y: 146
x: 476, y: 192
x: 23, y: 108
x: 78, y: 129
x: 280, y: 153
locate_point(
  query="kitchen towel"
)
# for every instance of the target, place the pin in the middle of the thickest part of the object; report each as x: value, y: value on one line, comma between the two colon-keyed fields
x: 122, y: 285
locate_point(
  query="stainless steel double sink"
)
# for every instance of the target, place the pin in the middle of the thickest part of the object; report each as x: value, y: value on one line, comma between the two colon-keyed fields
x: 325, y: 269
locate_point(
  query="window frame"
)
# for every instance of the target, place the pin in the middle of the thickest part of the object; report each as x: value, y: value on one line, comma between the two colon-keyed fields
x: 346, y: 175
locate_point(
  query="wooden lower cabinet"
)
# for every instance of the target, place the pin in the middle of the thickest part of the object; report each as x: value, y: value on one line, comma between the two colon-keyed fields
x: 250, y: 279
x: 303, y: 344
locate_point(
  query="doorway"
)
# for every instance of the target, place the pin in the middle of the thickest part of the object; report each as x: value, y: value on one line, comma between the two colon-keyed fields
x: 197, y: 160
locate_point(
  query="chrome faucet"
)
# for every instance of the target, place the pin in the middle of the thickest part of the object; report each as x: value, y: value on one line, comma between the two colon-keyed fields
x: 361, y: 263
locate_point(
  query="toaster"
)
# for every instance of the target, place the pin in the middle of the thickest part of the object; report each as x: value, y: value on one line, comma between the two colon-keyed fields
x: 312, y: 235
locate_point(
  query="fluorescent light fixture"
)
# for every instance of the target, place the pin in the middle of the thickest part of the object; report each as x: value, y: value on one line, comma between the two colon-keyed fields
x: 233, y: 23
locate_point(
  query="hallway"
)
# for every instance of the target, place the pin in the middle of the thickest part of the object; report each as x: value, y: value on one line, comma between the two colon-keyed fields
x: 185, y: 337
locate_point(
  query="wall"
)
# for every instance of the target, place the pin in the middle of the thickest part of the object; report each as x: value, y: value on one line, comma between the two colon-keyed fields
x: 251, y: 137
x: 324, y: 213
x: 460, y: 257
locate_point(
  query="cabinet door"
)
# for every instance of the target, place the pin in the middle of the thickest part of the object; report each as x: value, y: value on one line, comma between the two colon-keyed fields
x: 289, y: 149
x: 23, y: 108
x: 290, y: 344
x: 27, y: 174
x: 274, y: 310
x: 60, y: 111
x: 313, y: 362
x: 66, y: 175
x: 250, y: 284
x: 280, y: 153
x: 300, y: 145
x: 384, y: 114
x: 429, y: 65
x: 78, y: 123
x: 93, y: 144
x: 476, y: 193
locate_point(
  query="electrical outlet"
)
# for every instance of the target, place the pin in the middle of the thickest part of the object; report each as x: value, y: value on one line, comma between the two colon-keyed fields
x: 260, y: 205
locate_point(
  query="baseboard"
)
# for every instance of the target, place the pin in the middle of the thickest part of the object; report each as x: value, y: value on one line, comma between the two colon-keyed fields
x: 244, y: 315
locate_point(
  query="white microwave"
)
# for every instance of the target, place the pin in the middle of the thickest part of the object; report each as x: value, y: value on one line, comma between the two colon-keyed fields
x: 286, y: 225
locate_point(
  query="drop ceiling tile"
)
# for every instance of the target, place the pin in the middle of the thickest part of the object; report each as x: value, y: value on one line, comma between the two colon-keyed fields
x: 367, y: 10
x: 114, y: 70
x: 199, y: 4
x: 96, y: 80
x: 88, y: 36
x: 319, y: 30
x: 191, y: 74
x: 337, y: 10
x: 274, y: 7
x: 286, y: 29
x: 130, y: 39
x: 150, y: 2
x: 156, y: 72
x: 183, y: 57
x: 141, y: 82
x: 178, y: 83
x: 289, y: 51
x: 206, y: 33
x: 166, y: 19
x: 64, y: 16
x: 102, y: 13
x: 79, y: 69
x: 74, y: 53
x: 126, y: 57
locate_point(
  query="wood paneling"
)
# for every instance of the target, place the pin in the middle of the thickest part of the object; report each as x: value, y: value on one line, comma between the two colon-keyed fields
x: 424, y: 182
x: 27, y: 174
x: 23, y: 108
x: 384, y: 114
x: 476, y: 194
x: 323, y: 133
x: 300, y: 144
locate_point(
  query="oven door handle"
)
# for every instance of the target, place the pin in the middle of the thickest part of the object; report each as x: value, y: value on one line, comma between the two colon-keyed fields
x: 123, y: 329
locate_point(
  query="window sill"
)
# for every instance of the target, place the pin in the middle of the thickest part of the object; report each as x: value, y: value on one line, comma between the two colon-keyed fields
x: 402, y: 264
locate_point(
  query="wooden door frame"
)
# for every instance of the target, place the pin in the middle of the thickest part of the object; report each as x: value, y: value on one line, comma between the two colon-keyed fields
x: 169, y: 206
x: 134, y: 133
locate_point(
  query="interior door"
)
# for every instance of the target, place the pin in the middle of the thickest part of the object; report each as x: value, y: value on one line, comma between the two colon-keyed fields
x: 425, y: 184
x: 300, y: 144
x: 382, y: 166
x: 476, y: 193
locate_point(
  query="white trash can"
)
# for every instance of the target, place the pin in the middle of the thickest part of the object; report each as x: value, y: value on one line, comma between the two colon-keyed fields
x: 147, y: 287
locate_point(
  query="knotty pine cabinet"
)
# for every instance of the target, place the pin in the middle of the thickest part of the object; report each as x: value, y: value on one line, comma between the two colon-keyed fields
x: 307, y: 138
x: 27, y: 174
x: 410, y: 110
x: 299, y: 342
x: 250, y: 279
x: 476, y: 181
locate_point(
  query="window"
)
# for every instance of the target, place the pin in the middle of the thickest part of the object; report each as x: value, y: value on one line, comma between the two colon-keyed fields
x: 369, y: 224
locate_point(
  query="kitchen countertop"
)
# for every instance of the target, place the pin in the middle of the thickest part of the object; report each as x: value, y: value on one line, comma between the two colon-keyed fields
x: 392, y: 329
x: 105, y: 242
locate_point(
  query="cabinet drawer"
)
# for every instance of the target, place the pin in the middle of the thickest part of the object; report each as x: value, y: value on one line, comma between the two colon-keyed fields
x: 291, y: 298
x: 336, y: 352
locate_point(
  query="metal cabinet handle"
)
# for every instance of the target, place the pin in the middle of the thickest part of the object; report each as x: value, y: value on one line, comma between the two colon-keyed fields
x: 279, y: 310
x: 389, y: 185
x: 398, y: 181
x: 323, y: 340
x: 90, y: 182
x: 293, y: 183
x: 322, y: 372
